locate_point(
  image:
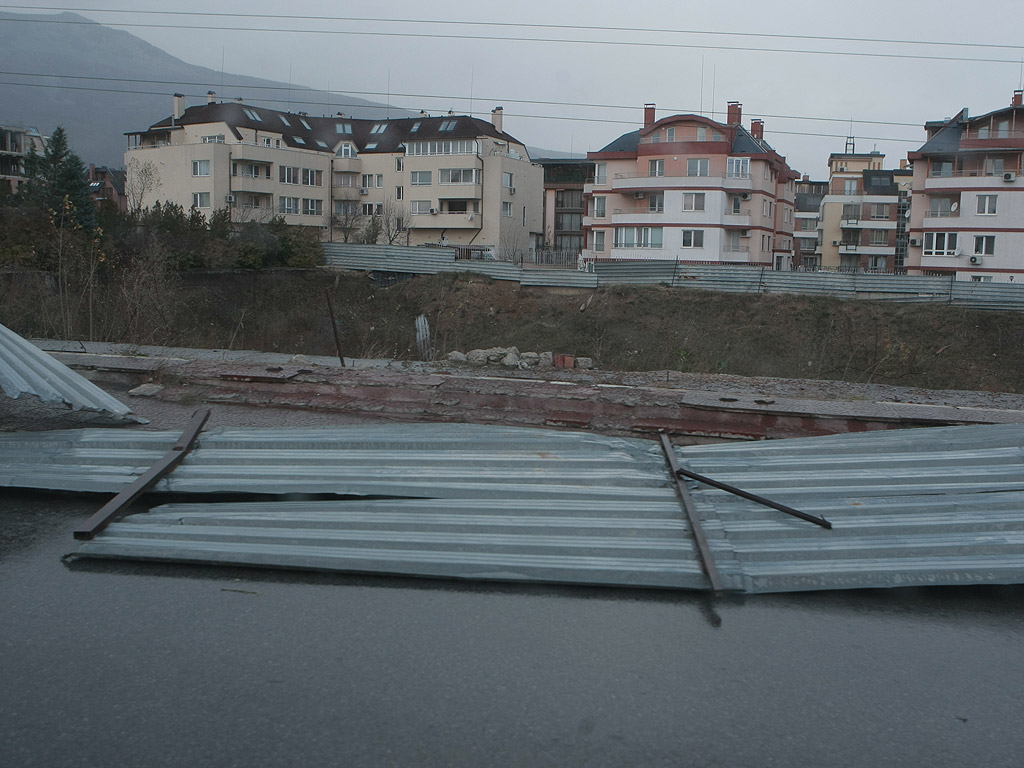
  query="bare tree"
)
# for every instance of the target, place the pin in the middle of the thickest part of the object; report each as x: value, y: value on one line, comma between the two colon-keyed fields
x: 347, y: 220
x: 395, y: 221
x: 513, y: 246
x: 142, y: 177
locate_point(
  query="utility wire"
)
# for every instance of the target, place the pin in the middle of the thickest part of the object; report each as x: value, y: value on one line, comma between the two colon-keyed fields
x: 516, y: 115
x: 444, y: 97
x: 562, y: 41
x: 525, y: 25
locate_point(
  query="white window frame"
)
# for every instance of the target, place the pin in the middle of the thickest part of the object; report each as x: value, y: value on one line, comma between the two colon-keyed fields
x: 289, y: 174
x: 599, y: 237
x: 691, y: 238
x: 420, y: 207
x: 288, y: 205
x: 601, y: 173
x: 312, y: 206
x: 694, y: 201
x: 399, y: 164
x: 656, y: 202
x: 506, y: 179
x: 987, y: 205
x: 419, y: 176
x: 452, y: 176
x: 600, y: 207
x: 702, y: 165
x: 639, y: 237
x: 738, y: 168
x: 200, y: 167
x: 347, y: 150
x: 985, y: 245
x: 506, y: 209
x: 948, y: 242
x: 200, y: 199
x: 312, y: 177
x: 656, y: 168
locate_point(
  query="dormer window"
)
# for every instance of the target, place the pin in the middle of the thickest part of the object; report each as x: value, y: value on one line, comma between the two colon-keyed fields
x: 415, y: 127
x: 379, y: 128
x: 299, y: 140
x: 252, y: 115
x: 448, y: 125
x: 285, y: 120
x: 305, y: 124
x: 343, y: 127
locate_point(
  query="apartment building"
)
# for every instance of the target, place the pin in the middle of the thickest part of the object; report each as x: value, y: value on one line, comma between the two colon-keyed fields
x: 106, y: 185
x: 691, y: 189
x: 967, y: 217
x: 15, y: 144
x: 806, y: 220
x: 564, y: 179
x: 453, y: 179
x: 863, y: 223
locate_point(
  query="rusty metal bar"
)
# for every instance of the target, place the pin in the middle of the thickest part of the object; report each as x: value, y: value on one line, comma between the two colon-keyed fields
x: 334, y: 327
x: 754, y: 497
x: 707, y: 561
x: 145, y: 481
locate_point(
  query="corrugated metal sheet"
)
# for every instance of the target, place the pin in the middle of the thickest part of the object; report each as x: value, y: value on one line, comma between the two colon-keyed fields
x: 559, y: 278
x: 909, y: 507
x: 27, y: 370
x: 635, y: 272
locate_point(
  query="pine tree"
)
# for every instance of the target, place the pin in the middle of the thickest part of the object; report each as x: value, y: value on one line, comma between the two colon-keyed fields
x: 58, y: 175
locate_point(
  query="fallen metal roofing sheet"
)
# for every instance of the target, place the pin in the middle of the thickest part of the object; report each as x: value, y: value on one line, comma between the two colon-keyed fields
x: 27, y: 370
x: 909, y: 507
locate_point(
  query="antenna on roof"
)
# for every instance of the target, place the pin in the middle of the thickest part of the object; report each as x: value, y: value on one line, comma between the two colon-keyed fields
x: 851, y: 144
x: 289, y: 86
x: 389, y: 96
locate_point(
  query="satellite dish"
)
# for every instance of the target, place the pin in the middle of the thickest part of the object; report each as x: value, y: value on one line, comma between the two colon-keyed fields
x: 954, y: 207
x: 906, y: 215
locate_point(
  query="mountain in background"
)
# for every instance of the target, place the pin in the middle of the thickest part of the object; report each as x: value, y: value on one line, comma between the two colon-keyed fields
x: 97, y: 113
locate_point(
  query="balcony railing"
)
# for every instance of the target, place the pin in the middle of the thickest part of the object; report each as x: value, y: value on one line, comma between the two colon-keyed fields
x: 941, y: 214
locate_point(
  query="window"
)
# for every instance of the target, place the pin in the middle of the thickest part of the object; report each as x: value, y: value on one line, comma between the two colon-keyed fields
x: 506, y: 180
x: 200, y: 199
x: 693, y: 238
x: 421, y: 178
x: 218, y: 139
x: 1003, y: 129
x: 698, y: 166
x: 399, y: 164
x: 599, y: 241
x: 345, y: 128
x: 344, y: 208
x: 987, y: 205
x: 415, y: 127
x: 851, y: 211
x: 766, y: 208
x: 506, y: 210
x: 702, y: 133
x: 600, y: 209
x: 694, y: 201
x: 638, y: 237
x: 939, y: 244
x: 879, y: 237
x: 787, y: 214
x: 851, y: 186
x: 738, y: 168
x: 288, y: 174
x: 322, y: 144
x: 656, y: 203
x: 940, y: 207
x: 670, y: 134
x: 267, y: 141
x: 379, y: 178
x: 460, y: 176
x: 994, y: 166
x: 601, y: 173
x: 379, y: 128
x: 347, y: 150
x: 312, y: 207
x: 299, y: 140
x: 398, y: 193
x: 656, y: 168
x: 568, y: 222
x: 285, y: 120
x: 372, y: 209
x: 371, y: 145
x: 305, y: 124
x: 569, y: 198
x: 880, y: 211
x: 345, y: 179
x: 252, y: 115
x: 447, y: 125
x: 289, y: 205
x: 312, y: 177
x: 250, y: 170
x: 985, y: 245
x: 419, y: 207
x: 443, y: 147
x: 983, y: 131
x: 981, y: 278
x: 200, y: 167
x: 942, y: 168
x: 736, y: 202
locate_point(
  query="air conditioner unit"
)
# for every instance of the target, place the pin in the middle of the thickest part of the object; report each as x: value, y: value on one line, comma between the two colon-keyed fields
x: 1009, y: 176
x: 511, y: 190
x: 837, y: 242
x: 433, y: 211
x: 364, y: 191
x: 915, y: 242
x: 744, y: 233
x: 958, y: 252
x: 745, y: 196
x: 229, y: 199
x: 639, y: 195
x: 975, y: 259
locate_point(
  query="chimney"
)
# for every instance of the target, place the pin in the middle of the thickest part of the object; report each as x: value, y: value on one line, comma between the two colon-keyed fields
x: 648, y: 115
x: 211, y: 97
x: 238, y: 99
x: 903, y: 165
x: 1018, y: 99
x: 757, y: 129
x: 179, y: 106
x: 497, y: 118
x: 735, y: 113
x: 806, y: 177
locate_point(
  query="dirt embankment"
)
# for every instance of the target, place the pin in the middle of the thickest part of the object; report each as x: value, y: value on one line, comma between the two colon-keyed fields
x: 625, y: 328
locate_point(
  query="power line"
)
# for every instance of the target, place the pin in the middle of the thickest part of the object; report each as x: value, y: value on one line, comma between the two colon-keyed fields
x: 525, y: 25
x: 516, y: 115
x: 444, y: 97
x: 562, y: 41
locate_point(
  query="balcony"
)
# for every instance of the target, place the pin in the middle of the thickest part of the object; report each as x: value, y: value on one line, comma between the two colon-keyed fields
x: 446, y: 221
x: 347, y: 164
x: 942, y: 214
x: 732, y: 218
x: 259, y: 184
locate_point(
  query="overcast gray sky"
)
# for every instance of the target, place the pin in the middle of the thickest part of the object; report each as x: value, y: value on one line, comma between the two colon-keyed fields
x: 540, y: 83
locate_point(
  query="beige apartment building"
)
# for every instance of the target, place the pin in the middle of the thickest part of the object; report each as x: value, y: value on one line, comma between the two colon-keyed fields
x: 863, y: 222
x: 452, y: 179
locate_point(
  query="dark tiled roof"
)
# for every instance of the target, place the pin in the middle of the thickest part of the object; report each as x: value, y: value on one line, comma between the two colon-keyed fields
x: 879, y: 183
x: 627, y: 142
x: 947, y: 139
x: 745, y: 143
x: 322, y: 134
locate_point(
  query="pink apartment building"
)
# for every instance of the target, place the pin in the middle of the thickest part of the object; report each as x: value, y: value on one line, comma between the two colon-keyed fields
x: 967, y: 216
x: 691, y: 189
